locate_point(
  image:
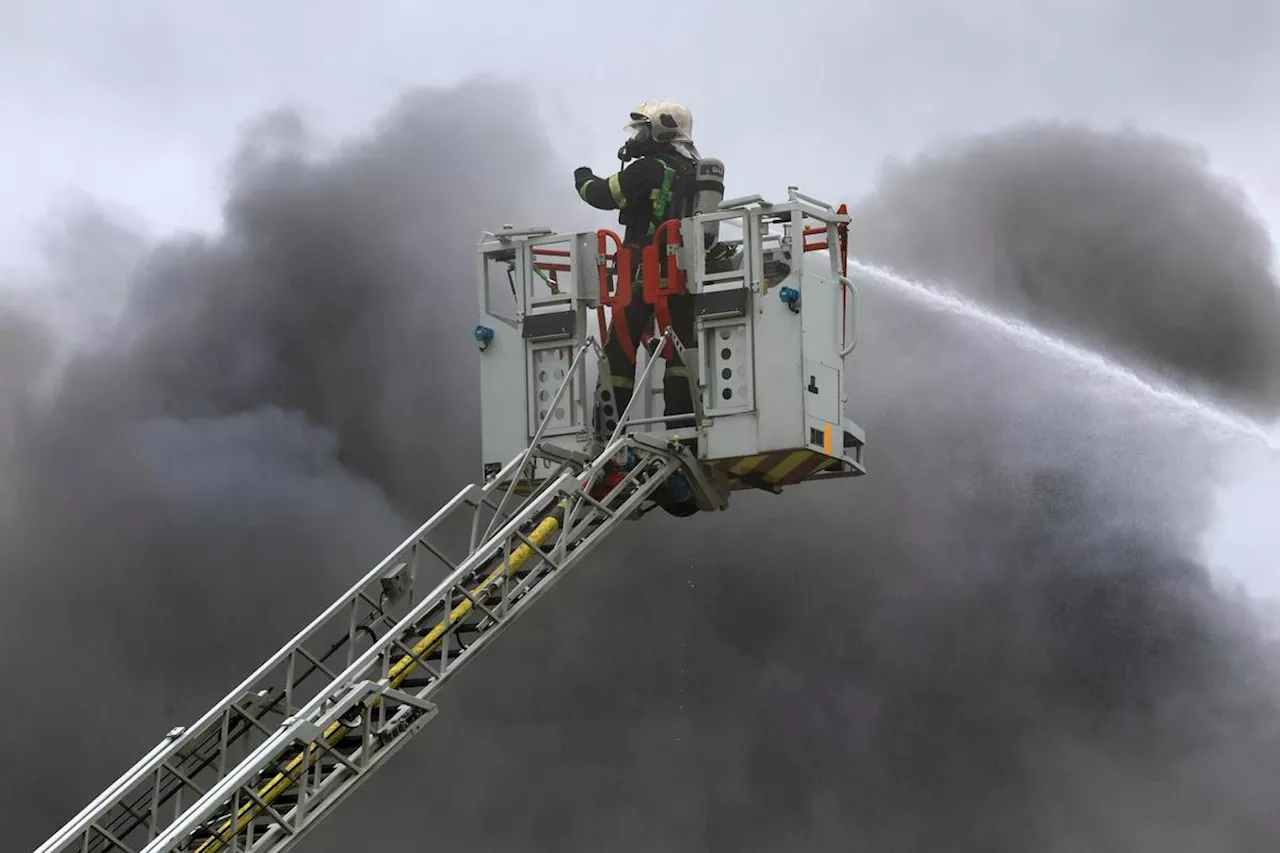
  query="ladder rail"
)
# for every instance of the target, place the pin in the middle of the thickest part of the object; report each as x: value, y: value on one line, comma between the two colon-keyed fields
x: 277, y: 839
x: 309, y: 717
x: 155, y: 771
x: 193, y: 761
x: 319, y: 724
x: 586, y: 520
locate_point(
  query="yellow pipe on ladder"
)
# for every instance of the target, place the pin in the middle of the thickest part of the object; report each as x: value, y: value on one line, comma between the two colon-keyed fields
x: 272, y: 790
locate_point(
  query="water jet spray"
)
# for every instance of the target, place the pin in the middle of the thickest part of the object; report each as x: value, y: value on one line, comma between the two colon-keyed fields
x: 1042, y: 342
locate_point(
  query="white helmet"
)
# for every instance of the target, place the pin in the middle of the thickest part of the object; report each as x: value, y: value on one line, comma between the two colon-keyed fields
x: 665, y: 122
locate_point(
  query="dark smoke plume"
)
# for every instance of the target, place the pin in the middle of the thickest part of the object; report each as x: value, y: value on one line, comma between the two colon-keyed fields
x: 1001, y: 639
x: 1123, y: 240
x: 258, y: 415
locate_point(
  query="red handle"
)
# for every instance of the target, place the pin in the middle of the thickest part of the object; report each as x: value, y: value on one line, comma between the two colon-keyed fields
x: 654, y: 293
x: 620, y: 297
x: 548, y: 266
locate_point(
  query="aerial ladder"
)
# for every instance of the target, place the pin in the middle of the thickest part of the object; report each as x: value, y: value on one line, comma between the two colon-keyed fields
x: 264, y: 765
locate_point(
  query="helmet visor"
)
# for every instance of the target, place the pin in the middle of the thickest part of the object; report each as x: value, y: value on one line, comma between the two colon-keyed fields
x: 637, y: 128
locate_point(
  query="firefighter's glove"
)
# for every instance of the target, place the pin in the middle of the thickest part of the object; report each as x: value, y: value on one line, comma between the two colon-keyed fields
x: 581, y: 175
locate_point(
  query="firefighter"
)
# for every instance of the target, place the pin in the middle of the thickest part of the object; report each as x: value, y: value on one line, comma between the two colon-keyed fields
x: 655, y: 184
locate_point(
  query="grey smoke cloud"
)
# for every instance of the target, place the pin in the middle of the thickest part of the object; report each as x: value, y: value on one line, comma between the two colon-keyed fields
x: 999, y: 640
x: 1125, y: 240
x: 270, y: 408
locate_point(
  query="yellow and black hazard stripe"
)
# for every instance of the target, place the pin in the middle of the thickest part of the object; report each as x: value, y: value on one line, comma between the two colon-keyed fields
x: 782, y: 468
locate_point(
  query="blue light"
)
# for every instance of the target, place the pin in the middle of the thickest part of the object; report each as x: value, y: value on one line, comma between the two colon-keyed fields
x: 483, y: 335
x: 789, y: 296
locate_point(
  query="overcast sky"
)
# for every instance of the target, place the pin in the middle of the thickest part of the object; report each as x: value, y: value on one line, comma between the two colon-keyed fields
x: 138, y: 102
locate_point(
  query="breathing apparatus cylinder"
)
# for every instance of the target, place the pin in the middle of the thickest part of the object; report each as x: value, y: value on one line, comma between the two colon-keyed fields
x: 708, y: 192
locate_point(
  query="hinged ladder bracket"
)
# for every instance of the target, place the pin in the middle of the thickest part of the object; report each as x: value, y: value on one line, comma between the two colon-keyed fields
x: 563, y: 455
x: 307, y: 730
x: 413, y: 713
x: 708, y: 495
x: 402, y: 697
x: 396, y: 582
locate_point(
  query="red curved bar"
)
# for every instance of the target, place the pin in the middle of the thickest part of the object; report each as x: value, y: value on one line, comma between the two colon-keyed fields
x: 617, y: 300
x: 654, y: 293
